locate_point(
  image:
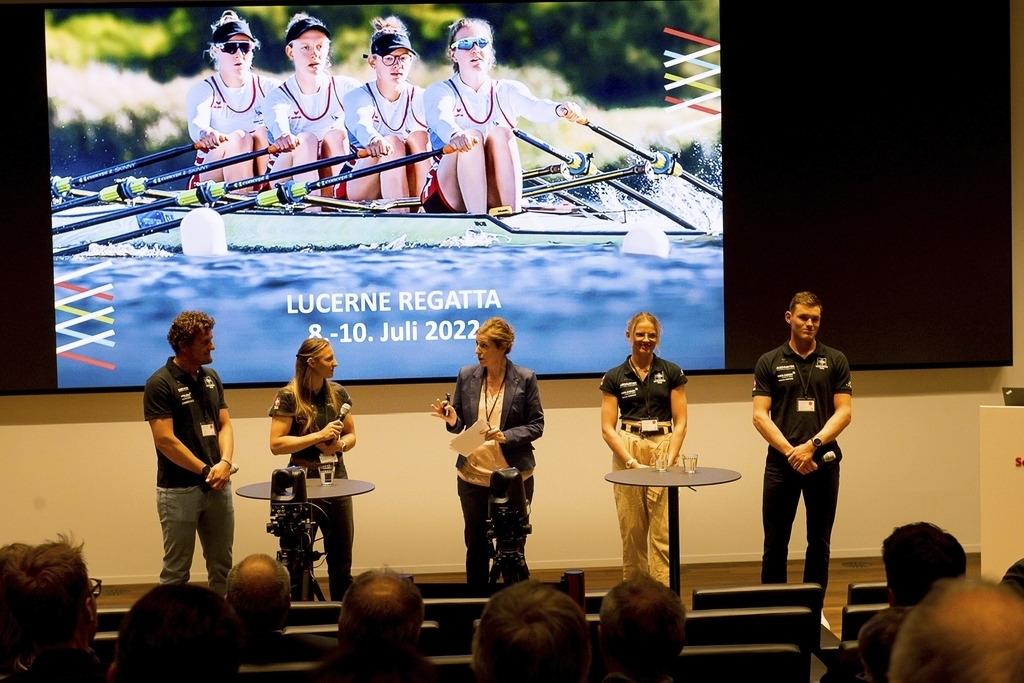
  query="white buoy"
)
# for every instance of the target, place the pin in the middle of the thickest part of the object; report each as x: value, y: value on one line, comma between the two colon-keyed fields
x: 202, y: 233
x: 646, y: 241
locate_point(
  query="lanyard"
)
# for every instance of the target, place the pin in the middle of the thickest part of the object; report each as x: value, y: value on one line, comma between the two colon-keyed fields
x: 496, y: 397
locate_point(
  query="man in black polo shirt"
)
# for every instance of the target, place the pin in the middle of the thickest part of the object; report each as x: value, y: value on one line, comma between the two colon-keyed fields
x: 184, y: 404
x: 802, y: 402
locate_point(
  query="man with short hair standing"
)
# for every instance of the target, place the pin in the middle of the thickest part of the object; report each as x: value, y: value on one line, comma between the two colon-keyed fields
x: 184, y: 404
x: 802, y: 402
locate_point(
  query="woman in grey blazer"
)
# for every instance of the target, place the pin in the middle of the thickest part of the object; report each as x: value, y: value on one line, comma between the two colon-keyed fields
x: 509, y: 432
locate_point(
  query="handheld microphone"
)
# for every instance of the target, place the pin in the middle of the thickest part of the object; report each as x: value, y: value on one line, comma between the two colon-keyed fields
x: 343, y: 411
x: 829, y: 456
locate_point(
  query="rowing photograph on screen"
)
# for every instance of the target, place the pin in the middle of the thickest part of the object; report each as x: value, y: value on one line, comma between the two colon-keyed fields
x: 387, y: 177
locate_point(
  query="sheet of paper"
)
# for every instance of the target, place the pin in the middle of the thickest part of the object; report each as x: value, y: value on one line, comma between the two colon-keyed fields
x: 469, y: 440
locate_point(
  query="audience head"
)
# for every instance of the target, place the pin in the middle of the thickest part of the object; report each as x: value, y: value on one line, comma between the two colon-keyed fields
x: 875, y: 642
x: 915, y: 556
x: 962, y: 632
x: 12, y: 641
x: 380, y: 606
x: 378, y: 663
x: 48, y: 591
x: 259, y: 589
x: 178, y: 632
x: 531, y: 632
x: 643, y: 626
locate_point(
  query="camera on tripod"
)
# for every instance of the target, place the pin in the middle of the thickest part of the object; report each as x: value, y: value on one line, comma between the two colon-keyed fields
x: 291, y: 520
x: 508, y: 519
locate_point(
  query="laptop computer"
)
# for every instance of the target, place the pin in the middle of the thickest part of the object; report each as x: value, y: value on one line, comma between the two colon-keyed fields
x: 1013, y: 396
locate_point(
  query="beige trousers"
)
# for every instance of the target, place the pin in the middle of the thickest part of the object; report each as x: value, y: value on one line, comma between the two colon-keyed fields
x: 643, y: 512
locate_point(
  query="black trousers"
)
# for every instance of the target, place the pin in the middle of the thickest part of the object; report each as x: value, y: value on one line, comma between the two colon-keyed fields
x: 474, y: 512
x: 783, y: 487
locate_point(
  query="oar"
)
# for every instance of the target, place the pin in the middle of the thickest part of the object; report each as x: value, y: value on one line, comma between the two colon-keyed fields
x: 553, y: 188
x: 662, y: 163
x: 285, y: 193
x: 624, y: 189
x: 578, y: 163
x: 130, y: 188
x: 206, y: 193
x: 60, y: 186
x: 554, y: 169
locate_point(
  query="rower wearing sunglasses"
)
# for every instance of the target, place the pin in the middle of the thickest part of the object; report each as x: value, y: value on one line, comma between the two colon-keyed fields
x: 385, y: 116
x: 476, y: 115
x: 305, y: 115
x: 225, y: 111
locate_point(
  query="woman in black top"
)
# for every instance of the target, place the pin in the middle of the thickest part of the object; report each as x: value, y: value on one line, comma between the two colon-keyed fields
x: 643, y: 416
x: 310, y: 422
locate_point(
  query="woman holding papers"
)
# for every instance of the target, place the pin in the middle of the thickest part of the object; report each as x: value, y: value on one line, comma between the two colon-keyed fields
x: 311, y: 423
x: 501, y: 400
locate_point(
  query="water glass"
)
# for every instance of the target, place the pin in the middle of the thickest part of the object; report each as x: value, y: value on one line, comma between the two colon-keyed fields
x: 689, y: 463
x: 326, y: 475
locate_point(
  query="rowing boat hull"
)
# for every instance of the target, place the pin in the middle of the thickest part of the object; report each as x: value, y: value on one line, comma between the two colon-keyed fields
x: 275, y: 231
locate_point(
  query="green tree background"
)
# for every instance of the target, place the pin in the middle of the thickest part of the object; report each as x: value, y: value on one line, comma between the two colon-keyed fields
x: 606, y: 52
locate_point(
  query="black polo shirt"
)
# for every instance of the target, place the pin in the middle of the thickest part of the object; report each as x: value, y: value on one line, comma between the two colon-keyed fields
x: 171, y: 392
x: 284, y: 406
x: 645, y: 399
x: 787, y: 378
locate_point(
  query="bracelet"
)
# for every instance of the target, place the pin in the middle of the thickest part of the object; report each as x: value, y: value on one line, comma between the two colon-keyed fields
x: 630, y: 463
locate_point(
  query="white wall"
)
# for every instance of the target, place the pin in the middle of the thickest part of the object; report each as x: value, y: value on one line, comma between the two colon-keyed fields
x: 85, y: 463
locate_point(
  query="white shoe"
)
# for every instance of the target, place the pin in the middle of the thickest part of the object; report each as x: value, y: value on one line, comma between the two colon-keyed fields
x: 824, y: 622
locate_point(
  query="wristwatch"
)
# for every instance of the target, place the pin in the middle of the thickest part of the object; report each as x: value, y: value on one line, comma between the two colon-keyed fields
x: 206, y: 470
x: 816, y: 442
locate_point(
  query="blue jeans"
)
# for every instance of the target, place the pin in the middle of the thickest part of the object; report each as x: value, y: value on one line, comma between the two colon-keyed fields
x: 183, y: 513
x: 783, y: 487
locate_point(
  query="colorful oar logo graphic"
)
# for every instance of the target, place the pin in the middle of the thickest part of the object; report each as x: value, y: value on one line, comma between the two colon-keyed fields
x: 85, y: 326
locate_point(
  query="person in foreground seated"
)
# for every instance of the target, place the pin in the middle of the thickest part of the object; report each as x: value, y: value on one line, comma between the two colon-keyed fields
x: 875, y: 642
x: 1014, y: 577
x: 383, y: 662
x: 380, y: 607
x: 915, y: 556
x: 259, y: 589
x: 14, y: 651
x: 643, y: 626
x: 531, y: 632
x: 964, y: 631
x: 178, y: 632
x: 53, y: 600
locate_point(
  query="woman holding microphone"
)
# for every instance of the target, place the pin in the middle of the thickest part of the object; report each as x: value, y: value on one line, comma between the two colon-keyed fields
x: 311, y: 423
x: 505, y: 396
x: 643, y: 417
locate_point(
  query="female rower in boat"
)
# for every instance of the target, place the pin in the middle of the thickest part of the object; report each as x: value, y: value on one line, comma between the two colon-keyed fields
x: 385, y: 116
x: 225, y: 111
x: 305, y: 115
x: 476, y: 114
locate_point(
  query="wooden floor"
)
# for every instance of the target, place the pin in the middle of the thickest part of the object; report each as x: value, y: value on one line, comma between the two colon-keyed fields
x: 842, y: 573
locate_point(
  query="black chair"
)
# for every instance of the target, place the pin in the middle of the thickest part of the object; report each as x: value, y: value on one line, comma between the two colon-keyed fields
x: 454, y: 617
x: 313, y: 613
x: 453, y: 668
x: 593, y: 601
x: 855, y: 616
x: 759, y: 595
x: 288, y: 672
x: 797, y: 626
x: 807, y: 595
x: 769, y: 663
x: 867, y: 593
x: 109, y: 618
x: 103, y: 645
